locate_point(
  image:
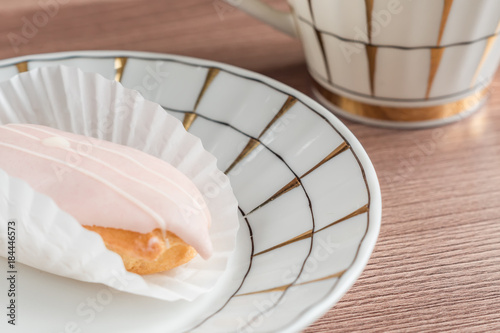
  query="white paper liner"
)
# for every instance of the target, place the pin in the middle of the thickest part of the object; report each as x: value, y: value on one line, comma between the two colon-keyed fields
x: 88, y: 104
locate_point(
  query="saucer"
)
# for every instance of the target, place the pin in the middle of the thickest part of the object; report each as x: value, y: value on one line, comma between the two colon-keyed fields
x: 309, y: 203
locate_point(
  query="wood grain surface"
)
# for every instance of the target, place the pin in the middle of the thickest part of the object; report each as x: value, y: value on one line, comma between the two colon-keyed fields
x: 436, y: 266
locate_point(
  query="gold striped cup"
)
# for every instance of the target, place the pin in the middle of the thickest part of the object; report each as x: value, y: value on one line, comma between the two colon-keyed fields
x: 398, y: 63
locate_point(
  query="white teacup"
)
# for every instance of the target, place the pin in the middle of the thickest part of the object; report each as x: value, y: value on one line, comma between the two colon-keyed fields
x: 399, y: 63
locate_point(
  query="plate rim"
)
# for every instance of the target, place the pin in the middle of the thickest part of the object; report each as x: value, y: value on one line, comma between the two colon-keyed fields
x: 367, y: 244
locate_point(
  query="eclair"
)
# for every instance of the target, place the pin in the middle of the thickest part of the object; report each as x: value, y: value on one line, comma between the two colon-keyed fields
x: 144, y: 209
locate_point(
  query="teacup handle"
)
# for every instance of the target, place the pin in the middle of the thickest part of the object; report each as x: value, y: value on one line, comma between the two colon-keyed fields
x: 283, y: 21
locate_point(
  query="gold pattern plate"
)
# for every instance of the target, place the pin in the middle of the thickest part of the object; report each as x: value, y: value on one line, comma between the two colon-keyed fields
x: 309, y: 202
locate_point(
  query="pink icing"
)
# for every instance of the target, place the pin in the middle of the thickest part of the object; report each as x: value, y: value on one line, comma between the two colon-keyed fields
x: 105, y: 184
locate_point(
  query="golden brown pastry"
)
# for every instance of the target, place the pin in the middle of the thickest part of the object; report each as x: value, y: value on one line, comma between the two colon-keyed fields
x: 146, y: 253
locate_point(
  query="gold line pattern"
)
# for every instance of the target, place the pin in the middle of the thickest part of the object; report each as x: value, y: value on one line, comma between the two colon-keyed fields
x: 283, y: 288
x: 437, y: 54
x: 319, y: 36
x: 251, y: 145
x: 489, y: 44
x: 290, y: 101
x: 444, y: 18
x: 22, y: 66
x: 402, y: 114
x: 296, y: 182
x: 369, y: 11
x: 120, y: 63
x: 341, y: 148
x: 311, y: 10
x: 323, y: 53
x: 359, y: 211
x: 212, y: 73
x: 309, y: 233
x: 288, y: 187
x: 371, y: 53
x: 190, y: 117
x: 300, y: 237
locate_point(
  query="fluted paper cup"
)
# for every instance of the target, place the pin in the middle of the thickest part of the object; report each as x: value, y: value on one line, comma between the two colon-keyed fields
x: 50, y: 239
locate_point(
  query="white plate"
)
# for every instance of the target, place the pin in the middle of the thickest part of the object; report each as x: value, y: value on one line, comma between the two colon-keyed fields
x: 297, y: 254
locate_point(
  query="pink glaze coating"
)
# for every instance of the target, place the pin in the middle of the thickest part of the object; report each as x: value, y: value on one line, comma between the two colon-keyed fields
x: 105, y: 184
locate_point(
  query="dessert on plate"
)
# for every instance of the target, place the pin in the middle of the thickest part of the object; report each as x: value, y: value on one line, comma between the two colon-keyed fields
x: 144, y: 209
x: 92, y: 208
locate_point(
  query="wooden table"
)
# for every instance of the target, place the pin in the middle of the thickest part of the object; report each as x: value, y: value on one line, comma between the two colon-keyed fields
x: 436, y: 265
